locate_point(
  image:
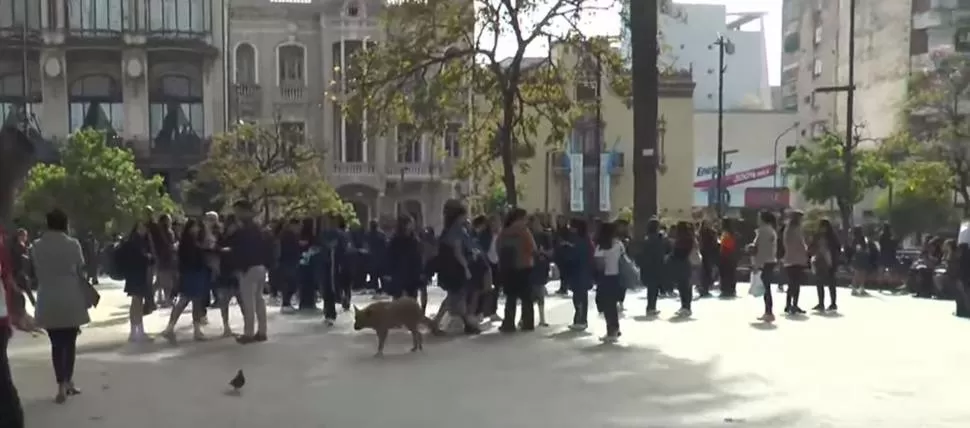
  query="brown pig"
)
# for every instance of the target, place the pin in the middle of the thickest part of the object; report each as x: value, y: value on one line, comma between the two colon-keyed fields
x: 383, y: 316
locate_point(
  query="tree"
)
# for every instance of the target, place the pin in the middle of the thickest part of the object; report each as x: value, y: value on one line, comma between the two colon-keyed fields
x: 920, y: 199
x: 436, y: 54
x: 96, y: 184
x: 819, y: 172
x: 274, y: 167
x: 937, y: 119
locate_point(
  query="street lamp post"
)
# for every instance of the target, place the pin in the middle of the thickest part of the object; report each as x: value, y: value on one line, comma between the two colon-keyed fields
x: 774, y: 182
x: 724, y: 47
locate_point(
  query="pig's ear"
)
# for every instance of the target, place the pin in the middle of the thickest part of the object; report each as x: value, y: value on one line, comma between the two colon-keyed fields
x: 356, y: 309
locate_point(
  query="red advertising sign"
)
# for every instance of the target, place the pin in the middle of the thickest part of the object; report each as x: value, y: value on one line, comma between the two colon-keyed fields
x: 739, y: 177
x: 767, y: 197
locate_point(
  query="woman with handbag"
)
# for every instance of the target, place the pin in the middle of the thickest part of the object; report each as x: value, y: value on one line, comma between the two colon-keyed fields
x: 764, y: 259
x: 63, y: 297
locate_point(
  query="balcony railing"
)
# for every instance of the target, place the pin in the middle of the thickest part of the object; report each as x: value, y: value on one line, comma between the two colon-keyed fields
x: 248, y: 99
x: 421, y: 170
x: 19, y: 18
x: 292, y: 92
x: 354, y: 169
x: 96, y: 18
x: 561, y: 163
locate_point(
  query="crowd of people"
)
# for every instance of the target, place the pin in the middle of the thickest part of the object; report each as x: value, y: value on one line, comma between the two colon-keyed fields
x: 205, y: 263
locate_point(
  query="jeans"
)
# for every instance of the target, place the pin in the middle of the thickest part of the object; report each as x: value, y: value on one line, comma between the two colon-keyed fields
x: 796, y: 277
x: 580, y: 307
x: 308, y: 287
x: 11, y: 412
x: 825, y: 278
x: 329, y: 292
x: 518, y: 289
x: 63, y: 352
x: 608, y: 294
x: 680, y: 271
x: 289, y: 282
x: 728, y: 272
x: 707, y: 273
x: 653, y: 292
x: 767, y: 276
x: 253, y: 304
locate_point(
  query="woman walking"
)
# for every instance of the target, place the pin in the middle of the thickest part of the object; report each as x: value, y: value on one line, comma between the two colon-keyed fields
x: 795, y: 260
x: 227, y: 282
x: 765, y: 248
x: 679, y: 265
x: 861, y: 265
x: 825, y: 250
x: 63, y: 297
x: 609, y: 250
x: 577, y: 252
x: 194, y: 278
x: 136, y: 263
x: 404, y: 261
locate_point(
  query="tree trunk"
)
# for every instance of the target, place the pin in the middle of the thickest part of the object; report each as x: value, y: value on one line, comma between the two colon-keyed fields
x: 845, y: 214
x: 507, y: 150
x: 16, y: 159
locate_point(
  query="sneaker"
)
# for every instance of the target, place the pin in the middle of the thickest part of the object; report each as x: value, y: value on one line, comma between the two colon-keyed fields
x: 767, y: 318
x: 260, y: 337
x: 287, y: 309
x: 227, y: 332
x: 169, y: 335
x: 819, y: 308
x: 652, y: 312
x: 198, y: 336
x: 543, y: 324
x: 684, y: 313
x: 610, y: 338
x: 328, y: 322
x: 578, y: 327
x: 796, y: 310
x: 245, y: 340
x: 833, y: 307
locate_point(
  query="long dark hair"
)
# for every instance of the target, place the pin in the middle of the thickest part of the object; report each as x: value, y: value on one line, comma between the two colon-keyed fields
x: 187, y: 236
x: 606, y: 235
x: 401, y: 229
x: 684, y: 235
x: 827, y: 231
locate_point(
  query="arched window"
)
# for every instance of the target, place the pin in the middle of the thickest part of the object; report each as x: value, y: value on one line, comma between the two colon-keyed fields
x: 291, y: 60
x: 246, y: 64
x: 177, y: 112
x: 96, y: 102
x: 12, y: 99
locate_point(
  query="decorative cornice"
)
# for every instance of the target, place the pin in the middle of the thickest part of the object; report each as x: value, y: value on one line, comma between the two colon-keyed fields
x: 675, y: 85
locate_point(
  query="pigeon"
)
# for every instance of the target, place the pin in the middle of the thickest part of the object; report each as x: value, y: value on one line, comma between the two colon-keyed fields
x: 238, y: 381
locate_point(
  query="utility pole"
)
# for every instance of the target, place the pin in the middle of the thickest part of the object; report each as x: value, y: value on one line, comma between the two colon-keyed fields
x: 724, y: 46
x: 598, y: 138
x: 643, y: 42
x: 850, y: 140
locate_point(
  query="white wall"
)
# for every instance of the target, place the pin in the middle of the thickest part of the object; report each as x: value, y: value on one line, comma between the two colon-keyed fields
x: 753, y: 134
x: 688, y: 44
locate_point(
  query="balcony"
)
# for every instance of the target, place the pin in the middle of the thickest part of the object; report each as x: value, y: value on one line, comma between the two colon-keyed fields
x: 354, y: 170
x: 20, y: 23
x: 247, y: 100
x: 95, y: 22
x: 561, y: 163
x: 292, y: 93
x: 421, y: 171
x: 178, y: 24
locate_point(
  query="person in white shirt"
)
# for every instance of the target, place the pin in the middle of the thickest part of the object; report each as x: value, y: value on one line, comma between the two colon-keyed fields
x: 609, y: 250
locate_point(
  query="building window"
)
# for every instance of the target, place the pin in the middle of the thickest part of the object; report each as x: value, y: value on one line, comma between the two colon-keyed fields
x: 176, y: 111
x: 96, y: 102
x: 408, y: 144
x: 95, y: 15
x: 353, y: 9
x: 919, y: 42
x: 355, y: 142
x: 343, y: 54
x: 818, y: 35
x: 792, y: 42
x: 452, y: 134
x: 246, y: 64
x: 179, y: 16
x: 12, y: 100
x: 14, y: 13
x: 292, y: 64
x: 920, y: 6
x: 816, y: 67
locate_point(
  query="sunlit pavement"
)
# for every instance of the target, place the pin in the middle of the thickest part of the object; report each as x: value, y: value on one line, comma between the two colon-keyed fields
x: 886, y: 361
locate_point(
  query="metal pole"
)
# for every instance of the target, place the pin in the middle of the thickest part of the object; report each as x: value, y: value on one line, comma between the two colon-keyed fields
x: 643, y: 41
x: 598, y: 138
x: 774, y: 178
x: 719, y: 203
x: 849, y: 100
x: 548, y: 161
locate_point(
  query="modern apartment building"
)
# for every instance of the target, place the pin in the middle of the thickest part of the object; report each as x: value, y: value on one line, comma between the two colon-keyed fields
x: 688, y: 35
x: 285, y: 53
x: 892, y: 39
x: 147, y: 72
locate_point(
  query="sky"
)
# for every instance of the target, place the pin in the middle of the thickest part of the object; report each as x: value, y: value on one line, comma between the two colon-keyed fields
x: 608, y: 23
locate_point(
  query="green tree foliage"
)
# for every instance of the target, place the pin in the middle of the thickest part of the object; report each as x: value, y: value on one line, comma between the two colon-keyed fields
x: 819, y: 173
x: 96, y: 184
x: 920, y: 200
x: 275, y: 168
x: 436, y: 54
x: 935, y: 109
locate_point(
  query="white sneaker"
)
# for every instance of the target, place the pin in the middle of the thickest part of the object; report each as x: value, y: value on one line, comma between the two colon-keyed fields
x: 610, y: 338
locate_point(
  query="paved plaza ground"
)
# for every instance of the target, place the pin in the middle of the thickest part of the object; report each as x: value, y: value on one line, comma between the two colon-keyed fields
x: 887, y: 361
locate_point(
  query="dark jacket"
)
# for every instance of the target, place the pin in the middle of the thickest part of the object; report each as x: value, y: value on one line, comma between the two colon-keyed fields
x: 377, y: 244
x: 578, y: 256
x: 250, y: 247
x: 652, y: 255
x: 405, y: 262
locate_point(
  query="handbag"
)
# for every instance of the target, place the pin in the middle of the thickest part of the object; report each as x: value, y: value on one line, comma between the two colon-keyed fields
x: 91, y: 295
x: 757, y: 288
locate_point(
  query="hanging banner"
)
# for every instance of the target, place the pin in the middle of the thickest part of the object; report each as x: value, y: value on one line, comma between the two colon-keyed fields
x: 606, y: 162
x: 576, y: 182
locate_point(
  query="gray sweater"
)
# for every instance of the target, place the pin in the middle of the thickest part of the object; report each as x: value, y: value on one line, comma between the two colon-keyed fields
x: 765, y: 246
x: 796, y: 252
